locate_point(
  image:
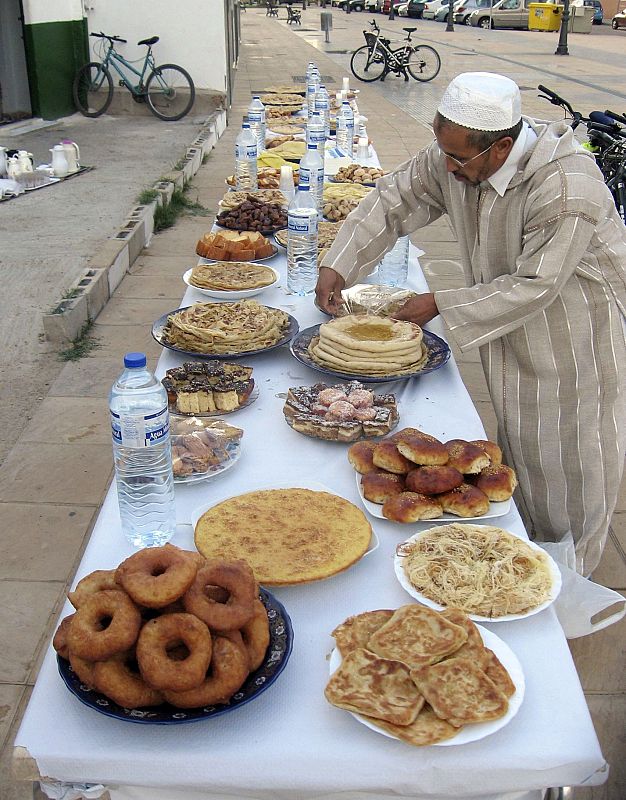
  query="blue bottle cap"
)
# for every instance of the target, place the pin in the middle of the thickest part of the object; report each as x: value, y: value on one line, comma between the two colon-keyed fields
x: 134, y: 360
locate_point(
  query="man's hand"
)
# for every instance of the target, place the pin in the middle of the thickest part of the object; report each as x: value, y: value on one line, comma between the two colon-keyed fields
x: 328, y: 290
x: 420, y: 309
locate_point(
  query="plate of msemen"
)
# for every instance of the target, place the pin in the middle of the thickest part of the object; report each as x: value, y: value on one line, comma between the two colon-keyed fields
x: 490, y: 568
x: 477, y: 730
x: 287, y: 88
x: 275, y: 661
x: 287, y: 329
x: 437, y: 355
x: 235, y: 198
x: 495, y: 509
x: 242, y: 273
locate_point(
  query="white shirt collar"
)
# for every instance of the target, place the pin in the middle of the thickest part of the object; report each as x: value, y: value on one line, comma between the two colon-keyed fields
x: 501, y: 179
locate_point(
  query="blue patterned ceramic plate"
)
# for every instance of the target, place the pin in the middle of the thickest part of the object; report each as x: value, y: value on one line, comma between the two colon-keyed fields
x: 438, y: 355
x: 278, y: 652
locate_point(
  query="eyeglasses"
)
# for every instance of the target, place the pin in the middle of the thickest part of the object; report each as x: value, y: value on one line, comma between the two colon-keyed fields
x: 467, y: 161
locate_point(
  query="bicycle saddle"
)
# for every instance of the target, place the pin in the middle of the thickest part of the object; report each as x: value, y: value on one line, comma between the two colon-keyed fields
x: 409, y: 30
x: 152, y: 40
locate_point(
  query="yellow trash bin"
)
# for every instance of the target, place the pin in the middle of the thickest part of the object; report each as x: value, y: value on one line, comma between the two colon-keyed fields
x: 544, y: 17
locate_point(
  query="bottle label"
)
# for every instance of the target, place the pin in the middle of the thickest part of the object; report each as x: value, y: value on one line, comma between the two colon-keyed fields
x: 316, y: 136
x: 302, y: 223
x: 137, y: 430
x: 246, y: 152
x: 256, y: 116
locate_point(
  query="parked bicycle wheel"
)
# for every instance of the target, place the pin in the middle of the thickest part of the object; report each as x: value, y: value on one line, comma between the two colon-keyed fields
x: 366, y: 65
x: 170, y: 92
x: 92, y: 89
x: 424, y: 63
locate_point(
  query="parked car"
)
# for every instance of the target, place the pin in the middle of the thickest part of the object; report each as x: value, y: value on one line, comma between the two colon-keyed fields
x: 432, y: 6
x: 504, y: 14
x: 619, y: 20
x: 441, y: 15
x: 402, y: 10
x: 387, y: 5
x: 358, y: 5
x: 463, y: 10
x: 598, y: 11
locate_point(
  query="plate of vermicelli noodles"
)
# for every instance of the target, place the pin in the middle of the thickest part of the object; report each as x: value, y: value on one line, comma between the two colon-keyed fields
x: 487, y: 572
x: 222, y: 330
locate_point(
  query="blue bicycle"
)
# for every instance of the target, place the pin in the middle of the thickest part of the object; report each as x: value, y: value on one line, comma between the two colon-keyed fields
x: 168, y: 89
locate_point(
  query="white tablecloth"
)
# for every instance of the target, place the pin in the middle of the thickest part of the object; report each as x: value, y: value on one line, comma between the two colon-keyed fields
x: 289, y: 743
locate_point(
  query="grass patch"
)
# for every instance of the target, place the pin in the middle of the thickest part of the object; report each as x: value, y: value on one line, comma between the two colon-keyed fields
x: 81, y: 346
x: 147, y: 196
x: 165, y: 216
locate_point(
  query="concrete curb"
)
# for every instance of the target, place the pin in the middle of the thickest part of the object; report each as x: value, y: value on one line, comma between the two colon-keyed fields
x: 107, y: 266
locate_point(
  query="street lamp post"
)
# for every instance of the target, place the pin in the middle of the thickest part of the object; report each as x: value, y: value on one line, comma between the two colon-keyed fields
x: 561, y: 49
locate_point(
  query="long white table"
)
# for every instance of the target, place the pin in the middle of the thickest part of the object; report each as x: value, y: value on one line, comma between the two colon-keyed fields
x: 289, y: 743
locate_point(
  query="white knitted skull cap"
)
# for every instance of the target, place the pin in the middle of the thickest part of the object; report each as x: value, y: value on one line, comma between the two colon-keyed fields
x: 483, y: 101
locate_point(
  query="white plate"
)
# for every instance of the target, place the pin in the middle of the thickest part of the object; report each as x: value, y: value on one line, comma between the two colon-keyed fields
x: 296, y: 483
x: 477, y: 730
x: 234, y: 450
x: 555, y: 575
x: 231, y: 294
x: 376, y: 510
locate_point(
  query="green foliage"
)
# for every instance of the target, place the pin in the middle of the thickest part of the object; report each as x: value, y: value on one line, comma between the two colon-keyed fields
x: 147, y: 196
x: 165, y: 216
x: 81, y: 346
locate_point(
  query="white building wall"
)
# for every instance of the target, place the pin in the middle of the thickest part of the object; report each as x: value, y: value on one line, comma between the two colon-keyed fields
x: 51, y: 10
x: 192, y: 33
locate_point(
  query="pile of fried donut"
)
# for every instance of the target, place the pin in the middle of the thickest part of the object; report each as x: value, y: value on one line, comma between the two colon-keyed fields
x: 166, y: 626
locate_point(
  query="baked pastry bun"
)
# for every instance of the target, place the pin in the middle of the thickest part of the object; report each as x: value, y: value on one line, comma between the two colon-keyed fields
x: 422, y: 448
x: 468, y: 458
x: 433, y: 480
x: 465, y: 501
x: 380, y: 486
x: 491, y: 448
x: 387, y: 456
x: 411, y: 507
x: 360, y: 455
x: 498, y: 482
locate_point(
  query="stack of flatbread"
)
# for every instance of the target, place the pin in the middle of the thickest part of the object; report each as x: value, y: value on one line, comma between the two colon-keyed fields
x: 364, y: 344
x: 418, y: 674
x: 231, y: 276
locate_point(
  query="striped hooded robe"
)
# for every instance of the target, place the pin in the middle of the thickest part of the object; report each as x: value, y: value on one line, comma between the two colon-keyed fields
x: 544, y: 299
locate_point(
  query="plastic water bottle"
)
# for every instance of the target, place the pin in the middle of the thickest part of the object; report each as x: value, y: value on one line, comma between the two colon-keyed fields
x: 315, y: 134
x: 393, y: 270
x: 311, y: 67
x: 312, y: 88
x: 245, y: 159
x: 142, y: 453
x: 345, y: 129
x: 322, y: 106
x: 312, y: 174
x: 256, y: 118
x: 302, y: 242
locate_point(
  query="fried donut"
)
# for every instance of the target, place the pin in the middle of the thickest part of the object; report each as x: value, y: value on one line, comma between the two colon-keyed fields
x: 96, y: 581
x: 106, y: 623
x: 166, y: 633
x: 238, y: 580
x: 120, y: 680
x: 256, y: 636
x: 84, y: 669
x: 155, y: 577
x: 59, y: 640
x: 226, y: 674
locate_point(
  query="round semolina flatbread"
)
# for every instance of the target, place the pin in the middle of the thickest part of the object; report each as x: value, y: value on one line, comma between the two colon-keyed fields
x: 288, y: 536
x: 370, y: 334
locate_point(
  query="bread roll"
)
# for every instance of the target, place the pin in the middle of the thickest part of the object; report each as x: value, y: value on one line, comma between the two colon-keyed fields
x: 433, y: 480
x: 497, y: 482
x: 380, y: 486
x: 491, y: 448
x: 423, y: 449
x: 387, y: 456
x: 411, y: 507
x: 465, y: 501
x: 468, y: 458
x: 360, y: 456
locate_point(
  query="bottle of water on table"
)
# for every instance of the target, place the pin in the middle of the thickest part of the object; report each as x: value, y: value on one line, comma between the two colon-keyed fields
x: 393, y: 270
x: 245, y: 159
x: 312, y: 88
x: 302, y: 221
x: 142, y: 453
x: 322, y: 106
x: 345, y: 129
x: 256, y: 118
x: 315, y: 133
x: 312, y: 174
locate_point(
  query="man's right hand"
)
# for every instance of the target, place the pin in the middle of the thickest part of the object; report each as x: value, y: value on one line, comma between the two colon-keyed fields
x: 328, y: 290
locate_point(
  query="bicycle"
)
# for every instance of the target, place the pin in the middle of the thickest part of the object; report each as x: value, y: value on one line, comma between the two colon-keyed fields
x: 167, y: 90
x: 606, y: 139
x: 375, y: 60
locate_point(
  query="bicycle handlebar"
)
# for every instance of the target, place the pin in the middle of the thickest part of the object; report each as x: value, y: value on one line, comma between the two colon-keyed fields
x: 618, y: 117
x: 374, y: 25
x: 110, y: 38
x: 555, y: 99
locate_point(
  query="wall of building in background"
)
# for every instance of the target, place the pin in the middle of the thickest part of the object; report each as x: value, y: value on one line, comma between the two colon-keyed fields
x: 15, y: 102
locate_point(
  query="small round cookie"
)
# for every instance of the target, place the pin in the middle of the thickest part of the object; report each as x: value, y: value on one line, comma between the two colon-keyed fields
x: 380, y: 486
x: 387, y: 456
x: 433, y: 480
x: 360, y: 455
x: 411, y: 507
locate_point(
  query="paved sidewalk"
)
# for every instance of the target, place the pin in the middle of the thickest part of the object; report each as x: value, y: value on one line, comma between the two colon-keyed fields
x: 54, y: 479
